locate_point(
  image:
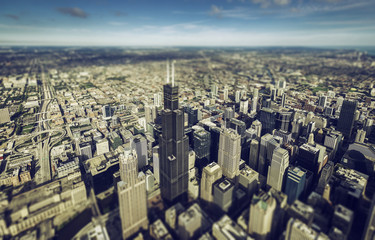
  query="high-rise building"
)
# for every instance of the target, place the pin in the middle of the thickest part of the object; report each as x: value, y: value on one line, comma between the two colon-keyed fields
x: 210, y: 174
x: 262, y: 210
x: 322, y: 101
x: 244, y: 106
x: 223, y: 194
x: 258, y: 127
x: 228, y: 113
x: 85, y: 150
x: 237, y: 125
x: 268, y: 120
x: 279, y: 163
x: 369, y: 232
x: 229, y: 152
x: 310, y: 128
x: 308, y: 157
x: 283, y: 120
x: 140, y: 145
x: 226, y: 93
x: 193, y: 222
x: 297, y: 230
x: 192, y: 115
x: 262, y: 162
x: 157, y: 99
x: 132, y: 195
x: 156, y: 162
x: 360, y: 136
x: 237, y: 96
x: 227, y: 229
x: 254, y: 152
x: 294, y: 184
x: 215, y: 138
x: 254, y: 103
x: 107, y: 112
x: 346, y: 119
x: 283, y: 100
x: 174, y: 146
x: 214, y: 90
x: 102, y: 146
x: 202, y: 144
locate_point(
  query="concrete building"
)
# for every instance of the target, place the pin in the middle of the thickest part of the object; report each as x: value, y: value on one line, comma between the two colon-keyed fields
x: 297, y: 230
x: 295, y: 183
x: 279, y: 163
x: 156, y: 162
x: 210, y: 174
x: 223, y: 194
x: 226, y: 229
x: 229, y: 152
x: 262, y: 210
x: 193, y: 222
x: 132, y: 195
x: 249, y: 179
x: 159, y: 231
x: 171, y: 215
x: 140, y: 146
x: 102, y: 146
x: 85, y: 150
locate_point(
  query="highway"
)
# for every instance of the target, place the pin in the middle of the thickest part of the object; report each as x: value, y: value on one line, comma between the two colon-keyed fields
x: 44, y: 173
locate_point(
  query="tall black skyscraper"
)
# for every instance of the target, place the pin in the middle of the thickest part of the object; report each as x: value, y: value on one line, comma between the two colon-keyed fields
x: 174, y: 146
x: 268, y: 120
x: 346, y: 119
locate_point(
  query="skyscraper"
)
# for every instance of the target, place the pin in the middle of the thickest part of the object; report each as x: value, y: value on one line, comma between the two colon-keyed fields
x: 132, y: 195
x: 369, y: 232
x: 308, y: 157
x: 254, y: 152
x: 262, y: 209
x: 140, y: 145
x: 322, y: 101
x: 85, y: 150
x: 268, y: 120
x: 294, y: 184
x: 210, y: 174
x: 107, y: 112
x: 229, y: 152
x: 174, y: 146
x: 346, y: 119
x: 244, y: 106
x: 279, y: 163
x: 262, y: 162
x: 202, y: 144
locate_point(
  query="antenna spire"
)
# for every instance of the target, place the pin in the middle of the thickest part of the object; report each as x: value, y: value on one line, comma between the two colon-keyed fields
x: 172, y: 73
x: 167, y: 71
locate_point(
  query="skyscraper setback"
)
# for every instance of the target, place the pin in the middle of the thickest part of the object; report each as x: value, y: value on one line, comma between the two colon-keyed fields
x: 174, y: 145
x: 132, y: 195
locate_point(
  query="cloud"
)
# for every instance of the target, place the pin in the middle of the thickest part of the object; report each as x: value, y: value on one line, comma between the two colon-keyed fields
x: 120, y: 13
x: 114, y: 23
x: 282, y: 2
x: 215, y: 11
x: 12, y: 16
x: 74, y: 12
x: 262, y: 3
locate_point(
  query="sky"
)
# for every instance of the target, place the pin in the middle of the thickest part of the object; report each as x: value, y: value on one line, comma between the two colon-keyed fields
x: 187, y: 22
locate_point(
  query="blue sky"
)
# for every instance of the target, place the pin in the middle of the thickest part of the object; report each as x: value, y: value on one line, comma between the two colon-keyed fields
x: 188, y: 22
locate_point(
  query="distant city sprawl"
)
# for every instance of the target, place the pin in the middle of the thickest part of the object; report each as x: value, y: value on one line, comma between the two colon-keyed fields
x: 186, y: 143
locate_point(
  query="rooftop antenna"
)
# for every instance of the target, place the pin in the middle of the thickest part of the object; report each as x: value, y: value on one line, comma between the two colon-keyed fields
x: 167, y: 71
x: 172, y: 73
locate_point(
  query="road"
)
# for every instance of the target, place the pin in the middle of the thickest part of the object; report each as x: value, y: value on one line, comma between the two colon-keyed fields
x: 44, y: 173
